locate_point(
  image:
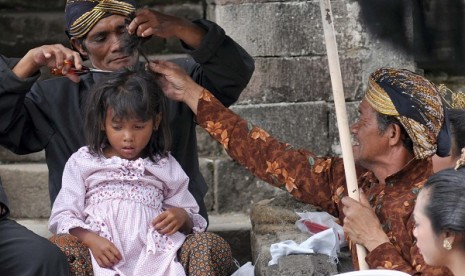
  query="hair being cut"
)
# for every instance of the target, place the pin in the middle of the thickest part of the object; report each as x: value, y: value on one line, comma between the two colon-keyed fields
x: 130, y: 94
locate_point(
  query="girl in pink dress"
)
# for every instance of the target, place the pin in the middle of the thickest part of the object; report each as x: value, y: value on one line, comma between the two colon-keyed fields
x: 124, y: 196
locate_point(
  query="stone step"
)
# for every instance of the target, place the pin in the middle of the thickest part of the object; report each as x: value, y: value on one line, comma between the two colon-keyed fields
x: 233, y: 227
x: 231, y: 187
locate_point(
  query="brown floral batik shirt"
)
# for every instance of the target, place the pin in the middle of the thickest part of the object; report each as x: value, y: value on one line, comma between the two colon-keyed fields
x: 321, y: 182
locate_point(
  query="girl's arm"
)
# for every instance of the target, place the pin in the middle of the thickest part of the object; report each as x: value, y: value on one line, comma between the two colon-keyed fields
x: 104, y: 251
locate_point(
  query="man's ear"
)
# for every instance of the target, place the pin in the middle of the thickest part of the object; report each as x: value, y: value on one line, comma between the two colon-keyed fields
x: 395, y: 134
x: 77, y: 46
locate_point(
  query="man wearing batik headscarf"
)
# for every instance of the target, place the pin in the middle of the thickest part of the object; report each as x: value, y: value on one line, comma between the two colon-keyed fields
x: 400, y: 125
x: 46, y: 115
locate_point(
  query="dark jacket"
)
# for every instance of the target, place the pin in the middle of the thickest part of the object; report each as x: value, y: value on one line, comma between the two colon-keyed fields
x: 37, y: 115
x: 3, y: 203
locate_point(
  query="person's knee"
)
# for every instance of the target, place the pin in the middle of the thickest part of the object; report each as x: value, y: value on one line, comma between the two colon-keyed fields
x: 77, y: 253
x: 208, y: 239
x: 206, y: 254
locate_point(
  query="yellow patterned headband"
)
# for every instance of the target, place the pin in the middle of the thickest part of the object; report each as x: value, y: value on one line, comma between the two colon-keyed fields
x: 82, y: 25
x: 379, y: 100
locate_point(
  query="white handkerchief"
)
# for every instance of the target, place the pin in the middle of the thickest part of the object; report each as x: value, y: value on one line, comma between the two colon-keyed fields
x: 325, y: 242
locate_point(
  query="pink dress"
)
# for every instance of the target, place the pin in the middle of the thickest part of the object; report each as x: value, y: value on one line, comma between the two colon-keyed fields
x: 118, y: 199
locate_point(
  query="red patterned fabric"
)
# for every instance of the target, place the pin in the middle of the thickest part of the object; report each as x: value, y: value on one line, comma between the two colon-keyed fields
x: 321, y: 182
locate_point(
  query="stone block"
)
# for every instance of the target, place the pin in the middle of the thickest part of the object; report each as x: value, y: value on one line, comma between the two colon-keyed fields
x: 312, y: 264
x: 236, y: 189
x: 23, y: 31
x: 273, y: 220
x: 206, y: 169
x: 26, y: 186
x: 299, y: 79
x: 206, y: 145
x: 303, y: 125
x: 7, y: 156
x: 27, y: 5
x: 288, y: 28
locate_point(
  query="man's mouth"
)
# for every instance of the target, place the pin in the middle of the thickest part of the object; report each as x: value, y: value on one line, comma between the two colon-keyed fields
x: 119, y: 59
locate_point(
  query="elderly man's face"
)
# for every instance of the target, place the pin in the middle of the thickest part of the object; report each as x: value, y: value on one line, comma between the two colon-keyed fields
x: 369, y: 145
x: 103, y: 44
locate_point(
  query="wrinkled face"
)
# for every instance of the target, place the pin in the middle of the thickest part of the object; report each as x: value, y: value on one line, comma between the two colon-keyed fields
x: 127, y: 138
x: 369, y: 144
x: 102, y: 45
x: 428, y: 242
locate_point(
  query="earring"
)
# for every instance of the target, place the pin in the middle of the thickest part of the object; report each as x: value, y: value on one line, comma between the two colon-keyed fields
x: 447, y: 245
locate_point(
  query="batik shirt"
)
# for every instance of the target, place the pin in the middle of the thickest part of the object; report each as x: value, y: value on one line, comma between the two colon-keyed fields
x: 321, y: 182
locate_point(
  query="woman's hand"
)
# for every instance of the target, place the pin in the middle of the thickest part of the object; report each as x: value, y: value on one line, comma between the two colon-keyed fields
x: 173, y: 220
x: 52, y: 56
x: 176, y: 84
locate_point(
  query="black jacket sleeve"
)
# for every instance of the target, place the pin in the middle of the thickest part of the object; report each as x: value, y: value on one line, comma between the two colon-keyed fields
x: 3, y: 203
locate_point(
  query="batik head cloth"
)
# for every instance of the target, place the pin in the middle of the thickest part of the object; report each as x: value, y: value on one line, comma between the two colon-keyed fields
x: 82, y: 15
x: 416, y: 103
x: 453, y: 100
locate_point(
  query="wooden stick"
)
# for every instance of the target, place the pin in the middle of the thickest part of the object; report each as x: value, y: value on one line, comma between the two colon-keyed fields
x: 341, y: 113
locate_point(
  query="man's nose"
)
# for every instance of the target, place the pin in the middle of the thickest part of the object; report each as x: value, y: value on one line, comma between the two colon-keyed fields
x: 116, y: 42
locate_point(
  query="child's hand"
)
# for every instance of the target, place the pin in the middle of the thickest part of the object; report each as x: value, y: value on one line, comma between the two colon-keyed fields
x: 104, y: 251
x: 172, y: 220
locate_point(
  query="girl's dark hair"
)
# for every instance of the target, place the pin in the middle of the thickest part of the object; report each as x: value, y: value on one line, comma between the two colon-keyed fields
x: 131, y: 94
x: 446, y: 206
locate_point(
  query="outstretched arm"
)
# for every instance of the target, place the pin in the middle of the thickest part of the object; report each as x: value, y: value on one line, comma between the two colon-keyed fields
x: 298, y: 171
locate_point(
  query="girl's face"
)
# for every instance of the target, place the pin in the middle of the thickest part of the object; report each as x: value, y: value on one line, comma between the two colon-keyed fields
x: 127, y: 138
x: 430, y: 244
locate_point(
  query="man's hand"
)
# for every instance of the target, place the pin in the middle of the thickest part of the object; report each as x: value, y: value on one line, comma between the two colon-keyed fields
x: 172, y: 220
x: 51, y: 56
x: 104, y: 251
x: 148, y: 22
x: 361, y: 224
